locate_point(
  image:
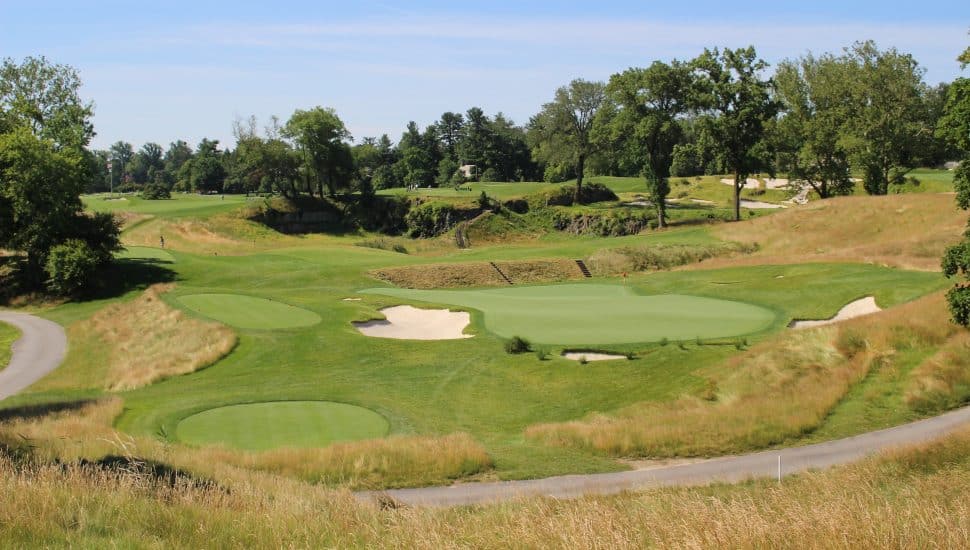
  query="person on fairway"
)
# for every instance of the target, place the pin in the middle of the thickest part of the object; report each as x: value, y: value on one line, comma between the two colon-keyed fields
x: 161, y: 240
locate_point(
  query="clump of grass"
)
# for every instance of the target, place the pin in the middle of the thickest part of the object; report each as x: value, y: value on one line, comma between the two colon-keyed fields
x: 583, y: 360
x: 133, y: 344
x: 659, y: 257
x: 943, y: 381
x: 517, y: 344
x: 664, y: 341
x: 383, y: 244
x: 542, y: 354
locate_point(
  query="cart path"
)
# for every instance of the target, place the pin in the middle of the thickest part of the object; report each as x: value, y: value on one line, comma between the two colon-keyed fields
x: 719, y: 470
x: 39, y: 350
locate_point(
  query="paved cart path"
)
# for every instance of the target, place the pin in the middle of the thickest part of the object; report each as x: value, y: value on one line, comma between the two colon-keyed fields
x: 39, y: 350
x: 729, y: 469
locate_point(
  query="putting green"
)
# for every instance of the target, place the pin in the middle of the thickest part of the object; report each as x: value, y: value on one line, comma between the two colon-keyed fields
x: 261, y: 426
x: 598, y: 314
x: 145, y: 253
x: 248, y: 311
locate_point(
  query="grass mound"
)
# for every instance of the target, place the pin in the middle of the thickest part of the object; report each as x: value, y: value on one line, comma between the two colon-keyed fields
x: 599, y: 314
x: 472, y: 274
x: 248, y: 311
x: 260, y: 426
x: 8, y: 335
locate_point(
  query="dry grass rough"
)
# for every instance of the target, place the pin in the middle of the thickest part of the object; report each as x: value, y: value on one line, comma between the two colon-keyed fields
x: 478, y: 274
x: 150, y: 341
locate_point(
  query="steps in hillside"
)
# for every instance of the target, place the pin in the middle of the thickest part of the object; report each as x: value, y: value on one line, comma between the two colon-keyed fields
x: 582, y: 267
x: 507, y: 280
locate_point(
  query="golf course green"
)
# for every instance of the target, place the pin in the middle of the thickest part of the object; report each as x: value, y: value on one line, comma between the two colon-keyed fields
x: 261, y: 426
x: 249, y: 312
x: 145, y: 253
x: 598, y: 314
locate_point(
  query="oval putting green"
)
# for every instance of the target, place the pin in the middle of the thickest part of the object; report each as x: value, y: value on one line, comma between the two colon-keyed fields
x: 595, y: 314
x: 261, y: 426
x: 248, y: 311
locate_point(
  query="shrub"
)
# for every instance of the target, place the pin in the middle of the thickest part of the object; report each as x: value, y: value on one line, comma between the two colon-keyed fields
x: 156, y: 191
x: 431, y: 219
x: 517, y: 345
x: 664, y: 341
x: 70, y: 266
x: 542, y: 354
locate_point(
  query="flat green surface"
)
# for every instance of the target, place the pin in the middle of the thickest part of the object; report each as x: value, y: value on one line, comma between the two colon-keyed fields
x: 248, y: 311
x: 260, y: 426
x: 598, y: 314
x: 8, y: 335
x: 145, y: 253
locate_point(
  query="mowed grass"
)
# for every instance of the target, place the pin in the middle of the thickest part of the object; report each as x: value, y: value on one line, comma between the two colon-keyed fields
x: 248, y: 311
x: 595, y: 314
x: 8, y: 335
x: 146, y: 253
x: 261, y: 426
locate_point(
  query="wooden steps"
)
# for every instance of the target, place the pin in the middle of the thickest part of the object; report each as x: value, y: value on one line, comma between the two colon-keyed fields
x: 582, y: 267
x: 507, y: 280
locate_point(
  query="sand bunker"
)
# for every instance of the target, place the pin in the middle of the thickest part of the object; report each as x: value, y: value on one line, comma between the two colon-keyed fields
x: 759, y: 205
x: 858, y: 308
x: 579, y: 355
x: 749, y: 183
x: 411, y: 323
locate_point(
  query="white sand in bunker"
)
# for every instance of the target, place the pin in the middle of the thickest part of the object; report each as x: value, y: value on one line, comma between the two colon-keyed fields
x: 760, y: 205
x: 411, y: 323
x: 579, y: 355
x: 858, y: 308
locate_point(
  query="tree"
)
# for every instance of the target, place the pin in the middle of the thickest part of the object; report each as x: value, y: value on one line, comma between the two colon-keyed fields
x: 562, y: 131
x: 740, y: 102
x: 450, y: 132
x: 43, y: 97
x: 44, y: 167
x: 645, y: 122
x: 817, y: 96
x: 121, y: 155
x: 955, y: 127
x: 417, y: 164
x: 206, y: 172
x: 146, y: 163
x: 322, y: 137
x: 887, y: 128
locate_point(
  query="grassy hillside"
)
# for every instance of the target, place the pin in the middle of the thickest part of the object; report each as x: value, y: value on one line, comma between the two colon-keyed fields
x: 8, y: 335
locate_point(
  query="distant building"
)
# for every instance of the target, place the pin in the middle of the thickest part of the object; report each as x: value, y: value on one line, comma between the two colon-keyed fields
x: 469, y: 171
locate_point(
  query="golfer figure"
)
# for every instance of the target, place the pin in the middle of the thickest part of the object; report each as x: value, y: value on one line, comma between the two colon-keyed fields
x: 161, y: 240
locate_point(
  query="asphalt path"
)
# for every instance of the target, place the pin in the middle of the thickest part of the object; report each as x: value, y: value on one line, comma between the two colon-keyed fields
x: 720, y: 470
x: 39, y: 350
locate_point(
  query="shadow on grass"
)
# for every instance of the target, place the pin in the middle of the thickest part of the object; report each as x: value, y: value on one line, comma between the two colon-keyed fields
x: 28, y: 412
x: 128, y: 274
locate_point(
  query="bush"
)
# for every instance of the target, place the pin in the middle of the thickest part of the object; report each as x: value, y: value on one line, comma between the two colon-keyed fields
x: 70, y: 267
x: 517, y: 345
x: 431, y: 219
x: 542, y: 354
x: 156, y: 191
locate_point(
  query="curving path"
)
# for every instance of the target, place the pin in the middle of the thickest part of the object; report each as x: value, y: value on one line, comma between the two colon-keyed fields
x: 725, y: 470
x: 39, y: 350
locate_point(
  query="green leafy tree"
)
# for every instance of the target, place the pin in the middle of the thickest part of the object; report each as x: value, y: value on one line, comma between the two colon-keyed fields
x: 206, y: 171
x: 562, y: 132
x: 649, y: 102
x: 888, y: 127
x: 322, y: 138
x: 955, y: 127
x: 731, y: 89
x: 816, y: 93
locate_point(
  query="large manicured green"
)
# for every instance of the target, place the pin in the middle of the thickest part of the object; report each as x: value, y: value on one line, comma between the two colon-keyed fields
x: 8, y: 335
x: 260, y: 426
x: 248, y: 311
x: 594, y: 314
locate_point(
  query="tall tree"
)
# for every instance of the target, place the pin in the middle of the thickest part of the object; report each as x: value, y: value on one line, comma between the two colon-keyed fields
x: 732, y: 90
x: 322, y: 138
x: 889, y: 126
x: 450, y: 132
x: 955, y: 127
x: 816, y: 93
x: 649, y: 101
x: 562, y: 131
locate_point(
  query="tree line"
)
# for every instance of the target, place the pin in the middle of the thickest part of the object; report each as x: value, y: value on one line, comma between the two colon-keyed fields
x: 822, y: 120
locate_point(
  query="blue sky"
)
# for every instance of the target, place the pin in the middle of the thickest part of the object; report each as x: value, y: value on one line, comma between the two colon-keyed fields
x: 167, y: 70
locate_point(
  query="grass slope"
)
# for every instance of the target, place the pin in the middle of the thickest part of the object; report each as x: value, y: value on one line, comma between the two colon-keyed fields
x: 591, y: 314
x: 248, y: 311
x: 260, y: 426
x: 8, y: 335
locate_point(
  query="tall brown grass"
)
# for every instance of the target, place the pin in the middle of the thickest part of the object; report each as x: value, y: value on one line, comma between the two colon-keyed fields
x: 613, y: 261
x: 780, y: 389
x: 942, y: 381
x: 912, y: 498
x: 470, y: 274
x: 150, y: 341
x: 908, y: 231
x: 87, y: 433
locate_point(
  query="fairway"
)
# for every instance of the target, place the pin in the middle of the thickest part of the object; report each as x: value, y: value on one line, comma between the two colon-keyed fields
x: 598, y: 314
x: 261, y: 426
x: 248, y: 311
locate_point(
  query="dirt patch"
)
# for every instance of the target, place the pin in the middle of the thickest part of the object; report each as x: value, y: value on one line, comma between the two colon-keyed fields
x: 411, y: 323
